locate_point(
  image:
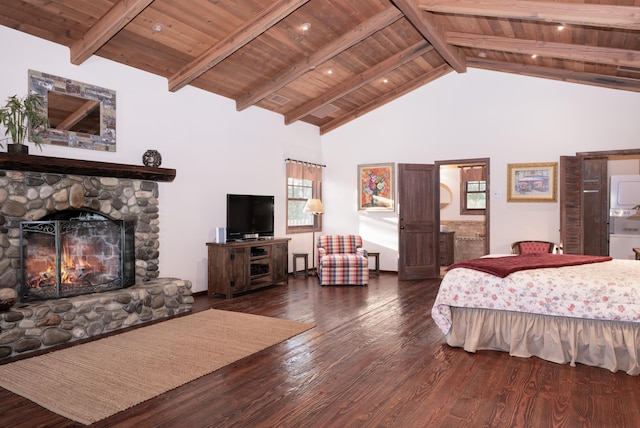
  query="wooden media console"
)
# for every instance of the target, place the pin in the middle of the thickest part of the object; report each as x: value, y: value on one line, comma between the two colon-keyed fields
x: 238, y: 267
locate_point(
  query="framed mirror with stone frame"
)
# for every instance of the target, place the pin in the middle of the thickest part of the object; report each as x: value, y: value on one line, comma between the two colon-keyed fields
x: 80, y: 114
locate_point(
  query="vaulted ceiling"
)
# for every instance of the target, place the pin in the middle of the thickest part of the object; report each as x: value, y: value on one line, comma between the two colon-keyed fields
x: 328, y: 62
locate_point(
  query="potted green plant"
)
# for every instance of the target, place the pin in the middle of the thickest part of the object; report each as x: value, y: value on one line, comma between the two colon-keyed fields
x: 23, y: 116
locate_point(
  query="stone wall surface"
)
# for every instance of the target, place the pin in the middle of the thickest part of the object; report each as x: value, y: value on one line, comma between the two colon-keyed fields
x: 469, y: 238
x: 469, y: 247
x: 465, y: 228
x: 29, y: 327
x: 30, y: 196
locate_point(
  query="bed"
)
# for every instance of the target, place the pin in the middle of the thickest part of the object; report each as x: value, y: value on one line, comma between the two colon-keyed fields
x: 587, y: 312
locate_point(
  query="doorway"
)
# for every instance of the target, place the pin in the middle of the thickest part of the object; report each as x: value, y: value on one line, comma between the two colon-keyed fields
x: 419, y: 217
x: 465, y: 220
x: 584, y: 222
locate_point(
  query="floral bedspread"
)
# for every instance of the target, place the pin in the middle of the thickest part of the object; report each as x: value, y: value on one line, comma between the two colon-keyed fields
x: 604, y: 291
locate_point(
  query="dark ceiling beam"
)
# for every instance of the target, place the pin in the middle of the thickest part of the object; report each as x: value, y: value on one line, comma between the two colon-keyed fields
x: 595, y: 15
x: 358, y: 81
x: 426, y: 25
x: 342, y: 43
x: 105, y: 28
x: 76, y: 116
x: 386, y: 98
x: 568, y: 51
x: 602, y: 80
x: 246, y: 33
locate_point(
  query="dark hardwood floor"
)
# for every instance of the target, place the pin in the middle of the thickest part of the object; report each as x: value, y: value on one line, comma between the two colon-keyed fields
x: 374, y: 359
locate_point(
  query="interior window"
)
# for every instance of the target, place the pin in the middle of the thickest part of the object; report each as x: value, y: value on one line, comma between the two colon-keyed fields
x: 304, y: 181
x: 473, y: 190
x: 476, y: 195
x: 298, y: 191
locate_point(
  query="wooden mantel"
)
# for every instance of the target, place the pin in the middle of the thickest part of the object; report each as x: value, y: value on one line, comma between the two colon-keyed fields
x: 19, y: 162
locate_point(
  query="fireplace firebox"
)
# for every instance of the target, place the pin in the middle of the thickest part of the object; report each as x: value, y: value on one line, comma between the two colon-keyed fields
x: 74, y: 252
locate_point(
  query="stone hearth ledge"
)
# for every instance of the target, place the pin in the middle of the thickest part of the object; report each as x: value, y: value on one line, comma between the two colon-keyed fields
x: 30, y: 327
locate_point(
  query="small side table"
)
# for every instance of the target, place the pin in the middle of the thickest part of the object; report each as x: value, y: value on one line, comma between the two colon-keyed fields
x: 376, y: 256
x: 304, y: 256
x: 637, y: 251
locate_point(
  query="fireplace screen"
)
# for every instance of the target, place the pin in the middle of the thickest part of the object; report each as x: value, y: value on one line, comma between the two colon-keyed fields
x: 83, y: 254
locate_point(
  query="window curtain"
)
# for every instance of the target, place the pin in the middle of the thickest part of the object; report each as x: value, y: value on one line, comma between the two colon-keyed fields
x: 307, y: 171
x: 473, y: 173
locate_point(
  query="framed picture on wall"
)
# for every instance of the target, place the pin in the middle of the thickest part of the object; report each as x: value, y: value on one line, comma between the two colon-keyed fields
x: 376, y: 187
x: 532, y: 182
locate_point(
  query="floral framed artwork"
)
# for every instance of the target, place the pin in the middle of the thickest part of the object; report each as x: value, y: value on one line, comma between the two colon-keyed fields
x: 376, y: 187
x: 532, y: 182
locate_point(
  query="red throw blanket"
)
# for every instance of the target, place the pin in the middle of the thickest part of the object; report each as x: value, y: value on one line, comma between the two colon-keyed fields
x: 503, y: 266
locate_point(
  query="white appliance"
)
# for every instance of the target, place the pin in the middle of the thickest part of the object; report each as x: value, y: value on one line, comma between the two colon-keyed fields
x: 624, y: 227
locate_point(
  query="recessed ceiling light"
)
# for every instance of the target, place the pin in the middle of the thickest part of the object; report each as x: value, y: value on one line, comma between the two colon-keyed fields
x: 560, y: 27
x: 385, y: 80
x: 305, y: 26
x: 534, y: 56
x: 157, y: 27
x: 329, y: 70
x: 482, y: 54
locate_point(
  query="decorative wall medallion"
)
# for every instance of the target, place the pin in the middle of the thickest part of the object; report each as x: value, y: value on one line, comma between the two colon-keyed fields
x: 152, y: 158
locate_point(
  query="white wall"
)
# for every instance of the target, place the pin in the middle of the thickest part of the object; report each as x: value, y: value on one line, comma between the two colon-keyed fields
x: 630, y: 166
x: 507, y: 118
x: 504, y: 117
x: 450, y: 177
x: 214, y: 149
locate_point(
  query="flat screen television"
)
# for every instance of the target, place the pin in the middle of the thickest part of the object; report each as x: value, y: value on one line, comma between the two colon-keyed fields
x: 249, y: 216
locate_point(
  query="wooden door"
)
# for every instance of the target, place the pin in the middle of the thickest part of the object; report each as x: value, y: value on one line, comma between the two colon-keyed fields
x: 240, y: 269
x: 583, y: 205
x: 595, y: 203
x: 279, y: 260
x: 571, y: 204
x: 419, y: 221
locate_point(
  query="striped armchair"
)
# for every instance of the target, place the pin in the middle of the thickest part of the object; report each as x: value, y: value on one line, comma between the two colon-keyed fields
x: 342, y: 260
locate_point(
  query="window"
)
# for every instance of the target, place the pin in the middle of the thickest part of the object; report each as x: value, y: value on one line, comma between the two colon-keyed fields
x: 304, y: 181
x: 476, y: 195
x: 473, y: 190
x: 298, y: 191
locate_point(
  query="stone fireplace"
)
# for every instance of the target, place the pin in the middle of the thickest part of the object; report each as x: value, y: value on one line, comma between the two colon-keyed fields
x: 75, y: 252
x: 31, y: 196
x: 119, y: 204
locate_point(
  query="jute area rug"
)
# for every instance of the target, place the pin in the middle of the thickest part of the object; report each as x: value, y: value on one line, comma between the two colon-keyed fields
x: 91, y: 381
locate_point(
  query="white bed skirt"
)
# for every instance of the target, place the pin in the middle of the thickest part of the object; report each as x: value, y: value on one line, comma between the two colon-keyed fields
x: 608, y: 344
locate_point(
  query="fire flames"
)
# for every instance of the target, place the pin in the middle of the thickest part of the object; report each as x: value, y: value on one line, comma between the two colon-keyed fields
x: 73, y: 270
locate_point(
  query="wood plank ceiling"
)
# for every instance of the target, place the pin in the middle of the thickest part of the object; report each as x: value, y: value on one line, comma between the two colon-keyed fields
x: 328, y: 62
